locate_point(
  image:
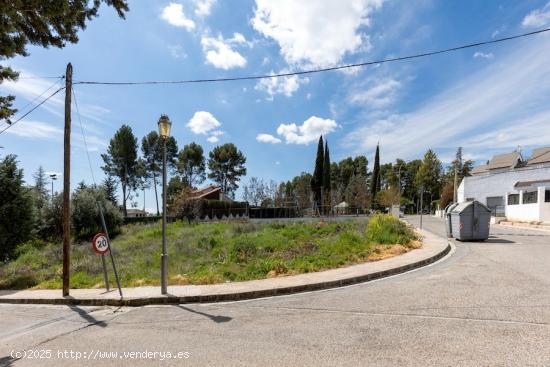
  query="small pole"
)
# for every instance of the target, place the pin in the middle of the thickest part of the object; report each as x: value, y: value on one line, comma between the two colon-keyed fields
x: 110, y: 249
x: 105, y: 276
x: 421, y: 204
x: 67, y: 181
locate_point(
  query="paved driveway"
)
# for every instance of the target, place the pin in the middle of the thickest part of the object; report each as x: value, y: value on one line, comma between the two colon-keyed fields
x: 486, y: 304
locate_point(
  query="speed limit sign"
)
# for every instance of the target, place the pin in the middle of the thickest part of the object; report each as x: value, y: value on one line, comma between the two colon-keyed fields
x: 100, y: 244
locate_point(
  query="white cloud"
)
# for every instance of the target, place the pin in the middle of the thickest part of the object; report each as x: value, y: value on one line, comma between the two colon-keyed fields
x: 36, y: 130
x: 283, y: 85
x: 308, y: 132
x: 203, y: 7
x: 380, y: 95
x: 316, y: 33
x: 174, y: 15
x: 213, y: 139
x: 203, y: 122
x: 482, y: 55
x: 537, y: 18
x: 501, y: 106
x: 220, y: 53
x: 268, y: 138
x: 40, y: 130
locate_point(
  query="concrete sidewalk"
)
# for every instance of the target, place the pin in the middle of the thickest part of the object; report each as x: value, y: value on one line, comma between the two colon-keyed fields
x: 433, y: 249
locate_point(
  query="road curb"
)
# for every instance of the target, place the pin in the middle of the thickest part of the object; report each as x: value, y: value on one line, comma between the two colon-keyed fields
x: 237, y: 296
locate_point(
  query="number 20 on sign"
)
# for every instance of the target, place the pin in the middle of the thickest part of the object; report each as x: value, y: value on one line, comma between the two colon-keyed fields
x: 100, y: 244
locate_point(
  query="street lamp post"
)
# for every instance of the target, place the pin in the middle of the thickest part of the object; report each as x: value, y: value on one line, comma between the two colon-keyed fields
x: 164, y: 132
x: 53, y: 177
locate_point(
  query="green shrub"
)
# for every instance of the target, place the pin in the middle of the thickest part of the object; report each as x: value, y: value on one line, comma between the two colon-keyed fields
x: 243, y: 249
x: 85, y: 214
x: 388, y: 230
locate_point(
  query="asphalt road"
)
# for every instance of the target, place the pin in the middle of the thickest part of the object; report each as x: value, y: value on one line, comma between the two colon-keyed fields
x: 486, y: 304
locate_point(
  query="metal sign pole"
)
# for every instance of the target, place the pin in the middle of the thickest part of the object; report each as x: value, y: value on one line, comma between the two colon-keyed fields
x: 421, y: 204
x: 110, y: 249
x: 105, y: 276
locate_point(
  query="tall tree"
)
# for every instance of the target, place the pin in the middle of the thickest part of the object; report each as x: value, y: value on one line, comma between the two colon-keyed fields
x: 429, y: 174
x: 301, y: 189
x: 317, y: 179
x: 42, y: 23
x: 226, y: 165
x: 375, y: 179
x: 151, y: 149
x: 360, y: 164
x: 326, y: 179
x: 109, y: 188
x: 40, y: 196
x: 191, y: 164
x: 347, y: 170
x: 16, y: 211
x: 121, y: 162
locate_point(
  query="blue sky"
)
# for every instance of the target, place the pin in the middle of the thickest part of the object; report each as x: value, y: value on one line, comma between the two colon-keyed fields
x: 487, y: 100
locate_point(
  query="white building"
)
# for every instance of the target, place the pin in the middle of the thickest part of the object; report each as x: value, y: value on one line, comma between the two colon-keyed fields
x: 512, y: 186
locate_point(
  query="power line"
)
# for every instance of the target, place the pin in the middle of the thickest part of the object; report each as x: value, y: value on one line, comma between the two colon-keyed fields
x: 40, y: 77
x: 32, y: 109
x: 41, y: 94
x: 84, y: 138
x: 313, y: 71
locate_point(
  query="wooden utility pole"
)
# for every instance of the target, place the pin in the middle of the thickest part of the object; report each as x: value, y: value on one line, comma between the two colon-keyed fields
x: 67, y: 181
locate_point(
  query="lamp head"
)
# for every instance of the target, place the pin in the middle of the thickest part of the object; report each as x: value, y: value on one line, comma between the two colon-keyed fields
x: 164, y: 126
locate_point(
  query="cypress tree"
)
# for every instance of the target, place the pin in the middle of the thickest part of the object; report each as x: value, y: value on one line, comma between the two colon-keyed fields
x: 317, y: 179
x: 326, y: 175
x: 375, y: 181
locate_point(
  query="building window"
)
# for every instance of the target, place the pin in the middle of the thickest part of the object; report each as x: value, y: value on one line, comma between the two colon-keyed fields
x: 547, y: 196
x: 530, y: 197
x: 513, y: 199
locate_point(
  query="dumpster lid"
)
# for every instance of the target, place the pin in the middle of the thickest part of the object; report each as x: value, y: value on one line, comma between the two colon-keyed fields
x: 462, y: 206
x: 450, y: 207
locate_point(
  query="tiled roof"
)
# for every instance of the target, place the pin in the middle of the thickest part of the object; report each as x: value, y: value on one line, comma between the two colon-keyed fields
x: 199, y: 193
x: 507, y: 160
x: 479, y: 169
x: 540, y: 155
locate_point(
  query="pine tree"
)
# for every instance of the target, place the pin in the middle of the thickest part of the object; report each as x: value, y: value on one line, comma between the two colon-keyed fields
x: 375, y: 179
x: 121, y: 161
x: 317, y: 179
x: 42, y: 23
x: 226, y: 164
x: 16, y: 211
x: 109, y: 188
x: 40, y: 196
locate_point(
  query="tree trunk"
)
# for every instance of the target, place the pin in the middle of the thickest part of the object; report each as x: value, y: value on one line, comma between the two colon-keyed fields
x: 124, y: 199
x: 156, y: 195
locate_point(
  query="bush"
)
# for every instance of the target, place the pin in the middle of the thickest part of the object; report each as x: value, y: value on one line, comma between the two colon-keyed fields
x: 53, y: 219
x: 243, y: 249
x: 85, y: 216
x: 388, y: 230
x: 186, y: 208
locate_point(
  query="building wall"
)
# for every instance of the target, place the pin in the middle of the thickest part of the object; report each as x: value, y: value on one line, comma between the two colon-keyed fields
x: 534, y: 212
x: 484, y: 185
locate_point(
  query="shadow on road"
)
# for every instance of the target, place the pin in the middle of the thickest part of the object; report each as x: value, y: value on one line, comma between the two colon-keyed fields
x: 498, y: 240
x: 86, y: 316
x: 217, y: 319
x: 6, y: 361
